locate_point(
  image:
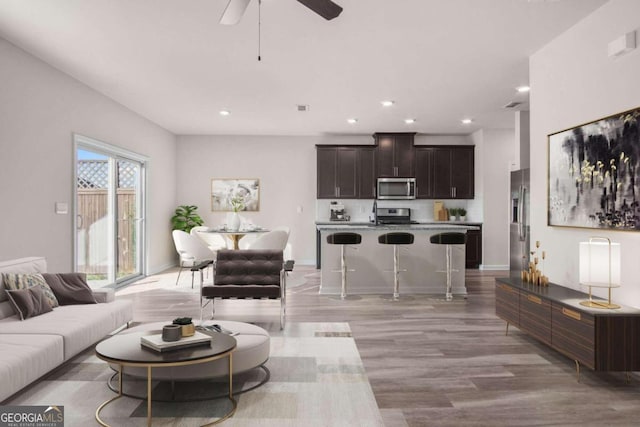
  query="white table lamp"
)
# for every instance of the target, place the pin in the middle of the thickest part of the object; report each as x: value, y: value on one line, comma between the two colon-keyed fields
x: 600, y: 267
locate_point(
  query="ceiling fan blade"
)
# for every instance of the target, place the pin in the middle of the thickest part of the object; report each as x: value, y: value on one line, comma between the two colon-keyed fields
x: 233, y: 12
x: 325, y: 8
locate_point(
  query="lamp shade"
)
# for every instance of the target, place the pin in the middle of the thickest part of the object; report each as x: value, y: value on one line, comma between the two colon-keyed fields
x: 600, y: 263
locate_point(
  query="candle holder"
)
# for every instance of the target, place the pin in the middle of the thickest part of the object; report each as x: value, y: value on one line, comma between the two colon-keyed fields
x: 533, y: 274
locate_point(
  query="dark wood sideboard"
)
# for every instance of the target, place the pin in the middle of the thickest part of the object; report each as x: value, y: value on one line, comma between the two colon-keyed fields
x: 600, y: 339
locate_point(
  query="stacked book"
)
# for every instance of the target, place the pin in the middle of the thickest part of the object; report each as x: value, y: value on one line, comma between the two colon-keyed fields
x: 156, y: 343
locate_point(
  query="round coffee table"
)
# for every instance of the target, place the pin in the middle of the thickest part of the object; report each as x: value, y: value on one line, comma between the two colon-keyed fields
x: 126, y: 350
x: 253, y: 345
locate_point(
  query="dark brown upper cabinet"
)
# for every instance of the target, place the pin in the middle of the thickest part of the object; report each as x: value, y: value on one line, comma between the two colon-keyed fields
x: 345, y: 172
x: 453, y: 172
x: 424, y: 172
x: 367, y: 172
x: 395, y: 154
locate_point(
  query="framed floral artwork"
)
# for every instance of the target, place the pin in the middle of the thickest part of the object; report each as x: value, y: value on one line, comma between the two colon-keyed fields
x: 235, y: 195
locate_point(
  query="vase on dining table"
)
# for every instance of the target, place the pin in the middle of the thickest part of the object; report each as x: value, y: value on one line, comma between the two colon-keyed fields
x: 234, y: 222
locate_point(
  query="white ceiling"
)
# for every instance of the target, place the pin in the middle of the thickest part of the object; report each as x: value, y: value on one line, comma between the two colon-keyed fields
x: 171, y: 62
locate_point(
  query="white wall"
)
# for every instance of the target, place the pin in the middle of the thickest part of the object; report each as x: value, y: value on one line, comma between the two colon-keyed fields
x: 40, y: 109
x: 497, y: 153
x: 523, y: 145
x: 285, y: 165
x: 573, y: 81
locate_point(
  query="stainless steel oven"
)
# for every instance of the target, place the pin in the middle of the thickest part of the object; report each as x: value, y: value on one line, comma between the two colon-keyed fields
x: 396, y: 188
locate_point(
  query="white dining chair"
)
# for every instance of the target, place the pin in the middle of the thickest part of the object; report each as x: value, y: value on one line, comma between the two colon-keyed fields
x: 274, y: 239
x: 192, y: 250
x: 214, y: 241
x: 287, y: 249
x: 283, y: 228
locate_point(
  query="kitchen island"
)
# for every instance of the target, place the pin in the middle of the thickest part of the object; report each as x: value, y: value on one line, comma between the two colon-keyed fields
x: 372, y: 260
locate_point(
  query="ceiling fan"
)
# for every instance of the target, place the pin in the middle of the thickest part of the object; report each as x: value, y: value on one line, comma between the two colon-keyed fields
x: 235, y: 9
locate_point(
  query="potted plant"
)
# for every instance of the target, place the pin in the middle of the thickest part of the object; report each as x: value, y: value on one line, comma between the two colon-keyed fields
x: 185, y: 218
x: 462, y: 212
x: 453, y: 212
x: 188, y: 329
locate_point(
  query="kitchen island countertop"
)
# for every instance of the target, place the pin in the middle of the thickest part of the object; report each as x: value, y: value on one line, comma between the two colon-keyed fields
x: 420, y: 226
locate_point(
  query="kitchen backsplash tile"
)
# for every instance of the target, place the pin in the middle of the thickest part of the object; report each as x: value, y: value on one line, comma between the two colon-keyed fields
x: 360, y: 210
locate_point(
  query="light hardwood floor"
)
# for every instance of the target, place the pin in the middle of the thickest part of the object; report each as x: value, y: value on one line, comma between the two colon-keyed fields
x: 432, y: 362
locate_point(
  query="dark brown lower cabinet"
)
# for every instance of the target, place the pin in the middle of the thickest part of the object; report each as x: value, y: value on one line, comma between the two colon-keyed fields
x: 508, y: 303
x: 602, y: 340
x: 535, y: 316
x: 473, y: 248
x: 574, y: 334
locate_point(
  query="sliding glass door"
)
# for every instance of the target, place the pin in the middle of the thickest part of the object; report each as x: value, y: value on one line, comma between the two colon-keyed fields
x: 109, y: 213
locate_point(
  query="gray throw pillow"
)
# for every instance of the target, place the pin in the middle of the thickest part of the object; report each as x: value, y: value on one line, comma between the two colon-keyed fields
x: 70, y: 288
x: 15, y: 281
x: 29, y: 302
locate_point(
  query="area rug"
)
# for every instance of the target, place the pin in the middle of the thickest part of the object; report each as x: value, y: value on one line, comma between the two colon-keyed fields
x: 317, y: 379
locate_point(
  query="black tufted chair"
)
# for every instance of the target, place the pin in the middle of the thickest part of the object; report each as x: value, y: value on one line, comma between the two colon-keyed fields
x: 241, y: 274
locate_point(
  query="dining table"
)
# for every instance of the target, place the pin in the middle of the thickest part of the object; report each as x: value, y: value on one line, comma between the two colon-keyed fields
x: 235, y: 235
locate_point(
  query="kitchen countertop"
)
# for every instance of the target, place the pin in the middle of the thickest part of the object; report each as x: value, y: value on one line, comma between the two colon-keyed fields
x: 441, y: 225
x: 360, y: 223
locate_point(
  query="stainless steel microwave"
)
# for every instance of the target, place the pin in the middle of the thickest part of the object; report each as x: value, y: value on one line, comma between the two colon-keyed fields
x: 396, y: 188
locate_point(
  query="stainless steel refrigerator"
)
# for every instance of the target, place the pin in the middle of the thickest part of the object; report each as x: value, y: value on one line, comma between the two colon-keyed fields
x: 519, y: 242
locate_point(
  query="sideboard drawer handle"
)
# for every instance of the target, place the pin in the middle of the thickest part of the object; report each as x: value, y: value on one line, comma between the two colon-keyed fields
x: 534, y: 298
x: 571, y: 313
x: 506, y: 288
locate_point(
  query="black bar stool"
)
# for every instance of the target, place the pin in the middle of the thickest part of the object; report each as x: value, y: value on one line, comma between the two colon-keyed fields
x: 448, y: 239
x: 395, y: 239
x: 344, y: 239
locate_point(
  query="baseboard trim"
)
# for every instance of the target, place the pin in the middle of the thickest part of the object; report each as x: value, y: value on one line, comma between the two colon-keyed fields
x: 493, y: 267
x: 161, y: 268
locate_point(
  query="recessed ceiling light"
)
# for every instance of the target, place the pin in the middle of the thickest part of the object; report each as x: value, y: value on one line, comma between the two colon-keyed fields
x: 352, y: 121
x: 523, y: 89
x: 409, y: 121
x: 387, y: 103
x: 225, y: 112
x: 466, y: 121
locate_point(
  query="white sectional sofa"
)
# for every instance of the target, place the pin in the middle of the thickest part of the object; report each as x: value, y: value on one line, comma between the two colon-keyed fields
x: 30, y: 348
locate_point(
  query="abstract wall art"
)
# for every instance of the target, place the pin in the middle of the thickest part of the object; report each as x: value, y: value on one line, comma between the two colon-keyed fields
x: 594, y: 174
